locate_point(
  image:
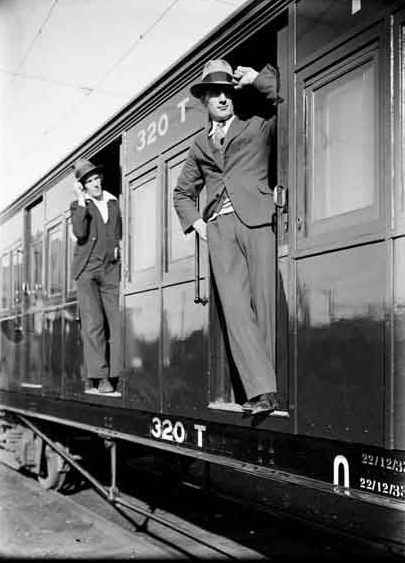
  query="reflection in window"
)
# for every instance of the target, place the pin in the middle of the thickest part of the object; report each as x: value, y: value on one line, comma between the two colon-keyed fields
x: 35, y: 219
x: 36, y: 265
x: 5, y: 281
x: 55, y: 260
x: 342, y: 144
x: 16, y: 257
x: 181, y: 245
x: 144, y: 226
x: 71, y: 241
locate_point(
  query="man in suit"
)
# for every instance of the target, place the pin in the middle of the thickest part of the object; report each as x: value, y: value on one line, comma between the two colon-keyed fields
x: 97, y: 225
x: 231, y: 159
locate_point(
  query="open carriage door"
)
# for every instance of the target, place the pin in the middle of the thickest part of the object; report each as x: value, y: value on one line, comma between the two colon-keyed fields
x: 268, y: 45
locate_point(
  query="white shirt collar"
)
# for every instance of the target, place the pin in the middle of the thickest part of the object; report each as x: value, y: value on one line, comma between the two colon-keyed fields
x: 106, y: 196
x: 101, y: 203
x: 226, y: 126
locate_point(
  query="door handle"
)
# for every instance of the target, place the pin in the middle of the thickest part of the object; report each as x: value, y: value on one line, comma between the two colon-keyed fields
x: 197, y: 289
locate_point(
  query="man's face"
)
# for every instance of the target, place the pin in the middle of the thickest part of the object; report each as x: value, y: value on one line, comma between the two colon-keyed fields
x: 93, y: 185
x: 218, y: 101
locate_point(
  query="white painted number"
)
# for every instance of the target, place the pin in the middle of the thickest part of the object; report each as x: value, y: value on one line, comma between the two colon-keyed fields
x: 163, y: 125
x: 166, y: 430
x: 142, y: 140
x: 154, y: 130
x: 341, y: 461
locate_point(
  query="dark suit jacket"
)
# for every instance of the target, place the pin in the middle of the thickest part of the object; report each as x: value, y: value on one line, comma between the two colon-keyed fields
x: 85, y: 230
x: 242, y: 168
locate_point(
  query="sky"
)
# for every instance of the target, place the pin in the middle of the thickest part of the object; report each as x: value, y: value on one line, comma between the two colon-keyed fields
x: 67, y: 66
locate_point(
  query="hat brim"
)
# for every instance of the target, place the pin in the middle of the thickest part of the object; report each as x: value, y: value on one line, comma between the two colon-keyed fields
x: 200, y: 88
x: 95, y: 169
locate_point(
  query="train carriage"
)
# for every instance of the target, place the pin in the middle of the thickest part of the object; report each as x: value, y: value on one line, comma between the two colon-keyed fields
x: 334, y: 452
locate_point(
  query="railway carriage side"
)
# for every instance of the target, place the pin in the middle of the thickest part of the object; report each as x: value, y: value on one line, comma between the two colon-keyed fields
x: 339, y: 433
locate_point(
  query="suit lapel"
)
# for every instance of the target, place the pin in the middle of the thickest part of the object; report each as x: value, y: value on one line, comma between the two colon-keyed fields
x: 235, y: 129
x: 209, y: 148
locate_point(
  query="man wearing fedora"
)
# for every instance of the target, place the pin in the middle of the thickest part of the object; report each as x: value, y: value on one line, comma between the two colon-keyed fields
x: 231, y: 159
x: 97, y: 226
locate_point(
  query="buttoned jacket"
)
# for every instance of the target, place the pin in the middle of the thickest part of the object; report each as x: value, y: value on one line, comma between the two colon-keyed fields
x: 242, y: 167
x: 85, y: 230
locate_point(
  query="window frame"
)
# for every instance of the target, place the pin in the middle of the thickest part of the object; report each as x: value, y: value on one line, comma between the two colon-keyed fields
x: 149, y: 277
x: 363, y: 224
x: 57, y: 222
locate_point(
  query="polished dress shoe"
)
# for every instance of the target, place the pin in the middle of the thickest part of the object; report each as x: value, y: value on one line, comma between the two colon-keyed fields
x: 105, y: 386
x: 248, y: 406
x: 266, y: 404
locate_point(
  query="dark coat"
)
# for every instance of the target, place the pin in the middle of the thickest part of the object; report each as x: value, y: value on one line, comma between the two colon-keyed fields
x: 85, y: 230
x: 242, y: 168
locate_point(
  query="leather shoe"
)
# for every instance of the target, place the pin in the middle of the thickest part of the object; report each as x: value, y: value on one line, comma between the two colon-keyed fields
x: 105, y: 386
x: 248, y: 406
x: 267, y: 403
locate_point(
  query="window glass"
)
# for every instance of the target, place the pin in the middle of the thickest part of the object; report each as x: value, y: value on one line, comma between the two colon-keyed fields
x: 181, y: 245
x: 55, y: 260
x: 342, y: 144
x: 35, y: 220
x: 16, y: 257
x: 71, y: 241
x: 144, y: 225
x: 5, y: 281
x: 36, y: 265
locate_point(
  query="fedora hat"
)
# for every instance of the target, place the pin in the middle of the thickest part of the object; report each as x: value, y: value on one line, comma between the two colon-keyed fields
x: 215, y: 72
x: 84, y: 167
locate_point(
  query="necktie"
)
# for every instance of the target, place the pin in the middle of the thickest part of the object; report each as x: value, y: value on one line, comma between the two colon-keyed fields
x: 219, y: 135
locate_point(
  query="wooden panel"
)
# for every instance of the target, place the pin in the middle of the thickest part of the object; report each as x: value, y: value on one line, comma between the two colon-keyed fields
x: 320, y: 22
x: 185, y: 350
x: 340, y: 344
x: 142, y: 350
x: 399, y: 343
x: 53, y: 354
x: 179, y: 117
x: 73, y: 369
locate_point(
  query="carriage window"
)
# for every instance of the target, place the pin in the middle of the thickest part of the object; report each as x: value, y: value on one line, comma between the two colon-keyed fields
x: 144, y: 224
x: 16, y: 258
x: 5, y: 281
x: 342, y: 160
x: 55, y: 260
x: 36, y: 265
x: 35, y: 220
x: 71, y: 241
x: 180, y: 245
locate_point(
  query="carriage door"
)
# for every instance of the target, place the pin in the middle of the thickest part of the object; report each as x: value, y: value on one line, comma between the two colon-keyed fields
x: 11, y: 303
x: 270, y: 44
x: 341, y: 247
x: 33, y: 296
x: 165, y: 271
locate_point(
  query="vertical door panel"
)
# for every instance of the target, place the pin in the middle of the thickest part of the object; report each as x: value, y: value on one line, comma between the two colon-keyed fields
x: 142, y: 350
x: 341, y: 344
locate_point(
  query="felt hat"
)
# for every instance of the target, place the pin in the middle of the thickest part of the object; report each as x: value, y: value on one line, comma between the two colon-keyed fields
x: 83, y: 168
x: 215, y: 72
